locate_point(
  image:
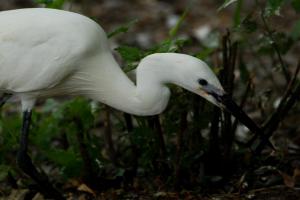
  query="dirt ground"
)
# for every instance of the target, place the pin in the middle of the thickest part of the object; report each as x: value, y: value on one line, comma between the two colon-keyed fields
x: 154, y: 20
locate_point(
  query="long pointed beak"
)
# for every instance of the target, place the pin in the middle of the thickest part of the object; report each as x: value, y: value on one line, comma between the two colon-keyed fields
x: 223, y: 100
x: 227, y: 102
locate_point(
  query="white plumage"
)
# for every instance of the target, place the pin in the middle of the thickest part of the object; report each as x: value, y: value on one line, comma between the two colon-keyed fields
x: 47, y: 52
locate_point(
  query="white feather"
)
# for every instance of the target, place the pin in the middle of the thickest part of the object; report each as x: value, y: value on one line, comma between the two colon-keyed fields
x: 47, y: 52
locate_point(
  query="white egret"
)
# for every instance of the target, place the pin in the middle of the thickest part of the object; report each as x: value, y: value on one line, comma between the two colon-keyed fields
x: 47, y: 52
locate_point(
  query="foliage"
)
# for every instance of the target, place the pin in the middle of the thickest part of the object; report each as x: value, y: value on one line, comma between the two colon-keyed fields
x: 273, y: 7
x: 122, y: 29
x: 58, y: 4
x: 179, y: 149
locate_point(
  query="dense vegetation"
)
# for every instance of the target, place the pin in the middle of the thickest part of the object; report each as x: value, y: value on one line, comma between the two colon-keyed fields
x: 191, y: 150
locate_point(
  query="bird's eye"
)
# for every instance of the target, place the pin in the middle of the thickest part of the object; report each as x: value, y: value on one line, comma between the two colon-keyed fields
x: 202, y: 82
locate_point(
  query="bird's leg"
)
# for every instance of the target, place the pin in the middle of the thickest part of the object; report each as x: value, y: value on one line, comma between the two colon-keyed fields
x: 4, y: 98
x: 25, y: 162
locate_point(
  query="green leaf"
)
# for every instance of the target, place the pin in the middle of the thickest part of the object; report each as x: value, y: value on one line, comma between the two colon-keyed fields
x: 130, y: 54
x: 69, y: 161
x: 296, y: 5
x: 58, y: 4
x: 122, y: 29
x: 205, y: 53
x: 4, y: 169
x: 273, y: 7
x: 295, y: 33
x: 80, y: 109
x: 169, y: 45
x: 226, y: 3
x: 164, y: 46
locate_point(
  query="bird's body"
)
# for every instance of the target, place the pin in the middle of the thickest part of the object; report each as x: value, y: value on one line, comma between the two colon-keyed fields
x: 42, y: 51
x: 47, y: 52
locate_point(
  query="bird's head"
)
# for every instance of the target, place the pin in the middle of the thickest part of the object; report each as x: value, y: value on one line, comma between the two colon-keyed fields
x: 198, y: 78
x: 192, y: 74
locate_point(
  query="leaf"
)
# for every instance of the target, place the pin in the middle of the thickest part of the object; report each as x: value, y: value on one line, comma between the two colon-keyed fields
x: 163, y: 47
x: 273, y: 7
x: 52, y: 3
x: 288, y: 180
x: 130, y: 54
x: 295, y: 33
x: 226, y: 4
x: 169, y: 45
x: 296, y: 174
x: 296, y: 5
x: 205, y: 53
x: 84, y: 188
x: 122, y: 29
x: 67, y: 159
x: 4, y: 169
x: 80, y: 109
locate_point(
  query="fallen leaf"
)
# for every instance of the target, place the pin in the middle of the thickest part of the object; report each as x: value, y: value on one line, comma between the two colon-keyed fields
x: 85, y: 188
x: 288, y: 180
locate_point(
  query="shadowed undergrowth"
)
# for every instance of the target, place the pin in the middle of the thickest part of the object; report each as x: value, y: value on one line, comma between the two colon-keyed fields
x: 192, y: 146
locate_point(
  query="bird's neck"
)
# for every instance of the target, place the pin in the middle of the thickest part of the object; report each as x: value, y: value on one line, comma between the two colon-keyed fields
x: 112, y: 86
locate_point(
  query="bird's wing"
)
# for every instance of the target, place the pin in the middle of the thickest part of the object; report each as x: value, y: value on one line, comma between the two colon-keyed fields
x: 40, y: 48
x: 33, y: 66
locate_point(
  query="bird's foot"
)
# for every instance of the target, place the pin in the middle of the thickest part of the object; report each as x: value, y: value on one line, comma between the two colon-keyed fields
x: 45, y: 187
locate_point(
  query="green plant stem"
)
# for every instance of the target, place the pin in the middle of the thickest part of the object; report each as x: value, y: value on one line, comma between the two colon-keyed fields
x: 108, y: 137
x: 179, y: 150
x: 89, y: 174
x: 155, y: 124
x: 237, y: 13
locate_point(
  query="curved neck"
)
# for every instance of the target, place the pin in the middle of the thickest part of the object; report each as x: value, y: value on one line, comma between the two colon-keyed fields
x: 111, y: 86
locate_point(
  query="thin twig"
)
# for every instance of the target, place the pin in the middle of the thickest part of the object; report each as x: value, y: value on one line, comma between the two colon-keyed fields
x: 242, y: 103
x: 227, y: 78
x: 214, y: 152
x: 290, y: 97
x: 155, y: 123
x: 128, y: 122
x: 134, y: 147
x: 88, y: 170
x: 179, y: 149
x: 108, y: 137
x: 195, y: 139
